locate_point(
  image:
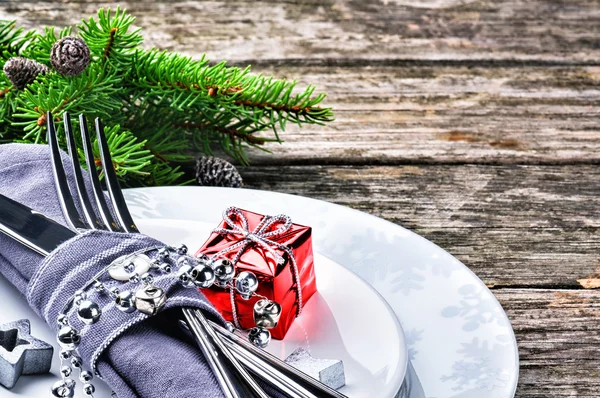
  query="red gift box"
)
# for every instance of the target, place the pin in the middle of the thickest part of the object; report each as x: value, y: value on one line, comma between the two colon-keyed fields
x: 277, y: 281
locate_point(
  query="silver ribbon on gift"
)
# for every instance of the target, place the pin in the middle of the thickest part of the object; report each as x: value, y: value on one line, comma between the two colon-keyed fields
x: 262, y: 236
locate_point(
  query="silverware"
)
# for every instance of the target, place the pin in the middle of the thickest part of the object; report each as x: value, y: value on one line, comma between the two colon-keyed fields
x: 271, y: 369
x: 234, y: 379
x: 203, y: 340
x: 290, y: 381
x: 274, y: 368
x: 43, y: 235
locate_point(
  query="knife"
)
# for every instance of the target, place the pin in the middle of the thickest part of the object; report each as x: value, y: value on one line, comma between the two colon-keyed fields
x: 31, y: 228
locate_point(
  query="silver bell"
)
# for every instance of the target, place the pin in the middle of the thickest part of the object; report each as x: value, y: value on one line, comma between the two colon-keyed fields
x: 246, y: 284
x: 76, y: 362
x: 204, y: 259
x: 203, y: 276
x: 266, y: 313
x: 66, y: 371
x: 125, y: 301
x: 183, y: 274
x: 89, y: 312
x: 224, y: 272
x: 150, y: 300
x: 62, y: 389
x: 89, y: 389
x: 259, y: 337
x: 182, y: 249
x: 163, y: 253
x: 68, y: 338
x: 85, y: 376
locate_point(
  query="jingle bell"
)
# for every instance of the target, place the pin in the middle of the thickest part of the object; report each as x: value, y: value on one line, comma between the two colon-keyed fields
x: 183, y: 274
x: 68, y: 338
x: 89, y: 389
x: 259, y: 337
x: 88, y: 312
x: 182, y: 249
x: 246, y: 284
x: 163, y: 253
x: 266, y: 313
x: 224, y: 272
x: 62, y: 389
x: 150, y: 299
x: 125, y: 301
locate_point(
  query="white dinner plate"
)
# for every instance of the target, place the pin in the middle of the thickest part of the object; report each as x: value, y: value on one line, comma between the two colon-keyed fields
x: 459, y: 339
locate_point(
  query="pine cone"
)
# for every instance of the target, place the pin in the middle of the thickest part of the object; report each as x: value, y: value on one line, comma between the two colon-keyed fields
x: 70, y: 56
x: 22, y: 71
x: 216, y: 172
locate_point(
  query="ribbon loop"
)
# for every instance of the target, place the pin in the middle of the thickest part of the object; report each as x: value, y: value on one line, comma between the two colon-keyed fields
x: 268, y: 229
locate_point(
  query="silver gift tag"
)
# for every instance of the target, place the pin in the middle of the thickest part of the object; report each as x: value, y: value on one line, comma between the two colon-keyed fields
x: 150, y: 299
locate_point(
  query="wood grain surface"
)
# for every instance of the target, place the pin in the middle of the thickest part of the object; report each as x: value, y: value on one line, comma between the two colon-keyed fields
x: 474, y: 123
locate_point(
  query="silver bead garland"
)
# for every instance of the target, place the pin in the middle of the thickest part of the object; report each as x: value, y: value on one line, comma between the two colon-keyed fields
x: 200, y: 272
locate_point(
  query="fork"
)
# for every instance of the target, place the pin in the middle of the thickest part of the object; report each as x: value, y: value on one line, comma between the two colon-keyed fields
x: 234, y: 379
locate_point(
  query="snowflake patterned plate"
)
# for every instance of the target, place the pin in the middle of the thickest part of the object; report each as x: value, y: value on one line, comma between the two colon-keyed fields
x: 459, y: 339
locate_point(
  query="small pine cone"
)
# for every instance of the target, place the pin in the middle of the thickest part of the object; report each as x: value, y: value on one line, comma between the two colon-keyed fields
x: 70, y: 56
x: 23, y: 71
x: 216, y: 172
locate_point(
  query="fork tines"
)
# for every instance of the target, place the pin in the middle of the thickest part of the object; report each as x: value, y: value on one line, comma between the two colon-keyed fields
x: 90, y: 219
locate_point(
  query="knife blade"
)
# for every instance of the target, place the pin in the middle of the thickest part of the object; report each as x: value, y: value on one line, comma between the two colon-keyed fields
x: 30, y: 227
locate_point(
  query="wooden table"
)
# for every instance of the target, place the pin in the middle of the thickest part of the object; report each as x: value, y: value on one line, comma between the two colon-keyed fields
x: 474, y: 123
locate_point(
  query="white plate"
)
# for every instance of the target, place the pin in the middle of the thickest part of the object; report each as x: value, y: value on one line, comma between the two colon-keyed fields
x: 460, y: 341
x: 335, y: 323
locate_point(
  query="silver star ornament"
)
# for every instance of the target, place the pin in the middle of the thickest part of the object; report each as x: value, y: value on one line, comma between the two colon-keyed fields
x: 21, y: 353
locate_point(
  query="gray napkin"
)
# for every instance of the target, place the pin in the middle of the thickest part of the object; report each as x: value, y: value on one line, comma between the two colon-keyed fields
x: 136, y: 356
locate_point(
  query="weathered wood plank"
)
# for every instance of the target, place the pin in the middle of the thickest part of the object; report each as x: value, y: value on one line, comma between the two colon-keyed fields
x: 558, y: 338
x: 517, y: 226
x: 448, y: 114
x: 359, y: 29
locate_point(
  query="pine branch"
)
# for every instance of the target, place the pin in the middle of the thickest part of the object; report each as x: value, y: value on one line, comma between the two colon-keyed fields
x: 160, y: 107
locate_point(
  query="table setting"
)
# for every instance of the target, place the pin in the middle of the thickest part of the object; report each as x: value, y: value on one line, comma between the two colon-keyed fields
x: 363, y: 291
x: 120, y: 279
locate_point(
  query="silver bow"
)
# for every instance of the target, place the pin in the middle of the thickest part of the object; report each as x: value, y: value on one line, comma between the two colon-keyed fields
x: 262, y: 237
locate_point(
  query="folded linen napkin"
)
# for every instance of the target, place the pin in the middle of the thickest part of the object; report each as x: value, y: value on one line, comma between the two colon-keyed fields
x: 135, y: 355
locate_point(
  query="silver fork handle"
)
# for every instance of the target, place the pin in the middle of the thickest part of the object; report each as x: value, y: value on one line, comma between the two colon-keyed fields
x: 211, y: 355
x: 285, y: 373
x: 253, y: 389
